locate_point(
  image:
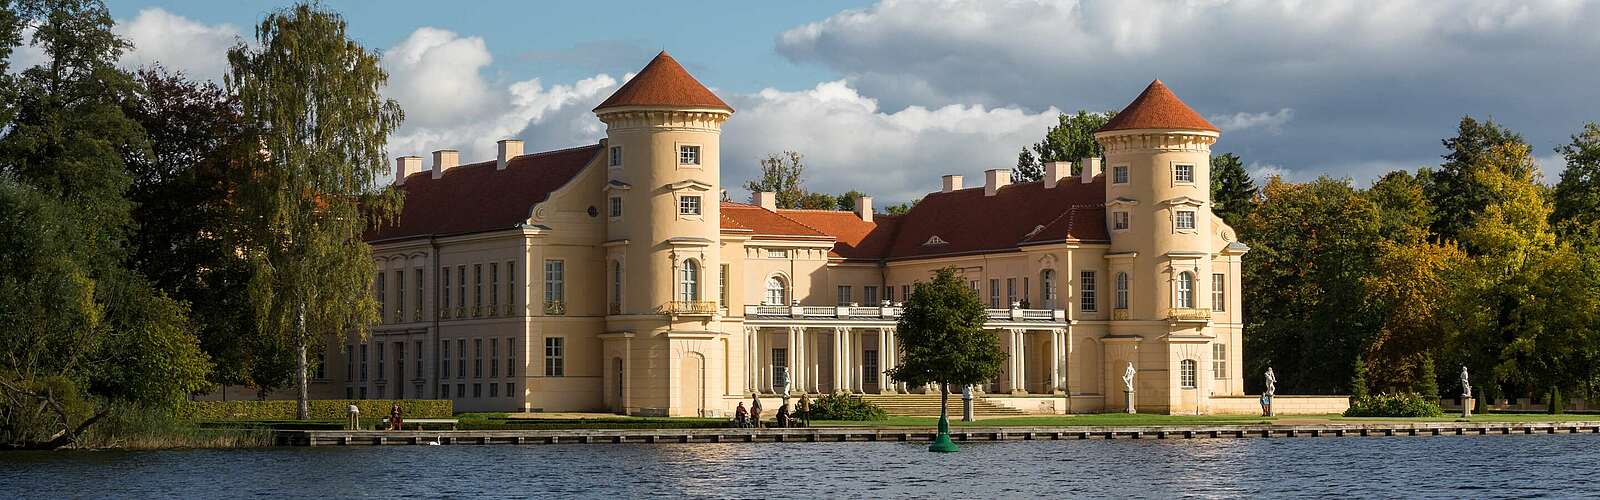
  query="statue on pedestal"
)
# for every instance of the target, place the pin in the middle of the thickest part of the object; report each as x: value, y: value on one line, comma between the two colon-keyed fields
x: 1127, y: 384
x: 1466, y: 388
x: 1266, y: 395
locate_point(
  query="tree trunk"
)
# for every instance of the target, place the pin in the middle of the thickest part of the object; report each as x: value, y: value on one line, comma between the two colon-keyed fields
x: 944, y: 401
x: 302, y: 395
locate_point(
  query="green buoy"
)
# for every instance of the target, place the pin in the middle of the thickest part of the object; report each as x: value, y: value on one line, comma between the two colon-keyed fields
x: 942, y: 442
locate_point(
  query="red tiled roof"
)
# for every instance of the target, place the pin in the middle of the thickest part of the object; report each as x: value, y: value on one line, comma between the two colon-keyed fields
x: 1157, y: 107
x: 854, y: 238
x: 762, y: 222
x: 664, y: 82
x: 967, y: 221
x: 477, y: 197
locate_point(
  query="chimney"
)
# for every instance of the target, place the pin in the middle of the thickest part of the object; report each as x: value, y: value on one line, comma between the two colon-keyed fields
x: 445, y: 159
x: 994, y: 179
x: 766, y: 199
x: 509, y: 148
x: 864, y: 207
x: 1054, y: 171
x: 404, y: 166
x: 951, y: 183
x: 1091, y: 168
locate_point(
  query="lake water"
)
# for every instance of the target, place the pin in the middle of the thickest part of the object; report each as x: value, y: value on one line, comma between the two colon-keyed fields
x: 1393, y: 467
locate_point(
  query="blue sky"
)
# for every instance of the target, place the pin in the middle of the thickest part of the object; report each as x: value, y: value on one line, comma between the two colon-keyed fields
x: 885, y: 96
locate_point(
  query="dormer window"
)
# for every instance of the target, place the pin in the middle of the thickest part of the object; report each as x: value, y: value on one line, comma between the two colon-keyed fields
x: 688, y: 155
x: 1119, y: 174
x: 614, y: 158
x: 934, y: 241
x: 1183, y: 174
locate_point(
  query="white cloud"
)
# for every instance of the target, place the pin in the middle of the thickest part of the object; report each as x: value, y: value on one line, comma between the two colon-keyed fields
x: 1272, y: 122
x: 178, y: 43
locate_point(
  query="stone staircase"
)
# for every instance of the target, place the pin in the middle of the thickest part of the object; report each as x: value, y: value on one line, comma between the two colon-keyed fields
x: 927, y: 405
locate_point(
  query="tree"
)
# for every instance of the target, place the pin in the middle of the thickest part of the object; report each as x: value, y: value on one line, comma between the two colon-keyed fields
x: 781, y: 174
x: 1456, y: 198
x: 1232, y: 191
x: 816, y: 201
x: 313, y: 97
x: 942, y: 339
x: 1411, y: 289
x: 1311, y: 246
x: 847, y: 201
x: 1577, y: 195
x: 181, y: 187
x: 1404, y: 211
x: 1071, y: 139
x: 901, y: 208
x: 79, y: 333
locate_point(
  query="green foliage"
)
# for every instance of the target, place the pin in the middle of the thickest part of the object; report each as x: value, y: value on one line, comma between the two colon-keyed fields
x: 818, y: 201
x: 321, y: 409
x: 840, y: 406
x: 942, y: 339
x: 782, y: 174
x: 1358, y: 380
x: 1071, y: 139
x: 1456, y: 196
x: 1405, y: 212
x: 1408, y: 404
x: 1233, y: 193
x: 1577, y: 195
x: 1555, y: 404
x: 901, y: 208
x: 1427, y: 380
x: 847, y: 201
x: 313, y: 98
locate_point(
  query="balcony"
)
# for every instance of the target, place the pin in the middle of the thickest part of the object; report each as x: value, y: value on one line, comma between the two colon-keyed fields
x: 555, y: 307
x: 889, y: 312
x: 690, y: 308
x: 1120, y: 314
x: 1188, y: 314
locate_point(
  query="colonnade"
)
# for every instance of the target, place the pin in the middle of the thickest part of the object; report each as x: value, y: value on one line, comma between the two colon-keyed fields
x: 852, y: 359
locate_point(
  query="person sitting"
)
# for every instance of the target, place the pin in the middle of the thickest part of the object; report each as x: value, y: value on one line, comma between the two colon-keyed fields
x: 783, y: 415
x: 395, y: 423
x: 740, y: 416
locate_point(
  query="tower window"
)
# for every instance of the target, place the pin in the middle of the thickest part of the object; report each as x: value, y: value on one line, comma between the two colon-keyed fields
x: 1119, y: 221
x: 1183, y: 174
x: 616, y: 206
x: 1119, y: 174
x: 1218, y: 292
x: 1184, y: 220
x: 689, y: 282
x: 614, y: 159
x: 688, y: 205
x: 1183, y: 293
x: 688, y: 155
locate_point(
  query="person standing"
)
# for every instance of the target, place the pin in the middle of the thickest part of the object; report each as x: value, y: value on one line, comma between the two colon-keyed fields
x: 353, y: 417
x: 755, y: 410
x: 805, y: 410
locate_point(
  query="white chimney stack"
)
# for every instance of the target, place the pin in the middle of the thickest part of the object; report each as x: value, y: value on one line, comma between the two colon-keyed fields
x: 1055, y: 171
x: 951, y: 183
x: 994, y: 179
x: 509, y: 148
x: 766, y: 199
x: 445, y: 159
x: 404, y: 166
x: 1091, y: 168
x: 864, y: 207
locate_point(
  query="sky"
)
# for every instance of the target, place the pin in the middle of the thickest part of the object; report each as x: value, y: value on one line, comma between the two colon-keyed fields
x: 884, y: 97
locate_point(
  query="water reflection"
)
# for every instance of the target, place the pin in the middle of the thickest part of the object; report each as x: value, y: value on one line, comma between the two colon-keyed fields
x: 1446, y: 467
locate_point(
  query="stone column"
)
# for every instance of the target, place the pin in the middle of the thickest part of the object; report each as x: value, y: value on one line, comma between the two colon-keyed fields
x: 1055, y: 361
x: 883, y: 361
x: 793, y: 360
x: 838, y: 355
x: 1018, y: 363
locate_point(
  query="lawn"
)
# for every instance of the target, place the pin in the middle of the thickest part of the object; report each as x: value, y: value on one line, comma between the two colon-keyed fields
x: 1059, y: 420
x: 485, y: 421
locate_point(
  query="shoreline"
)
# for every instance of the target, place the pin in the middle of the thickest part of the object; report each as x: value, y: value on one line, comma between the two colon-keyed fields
x: 910, y: 434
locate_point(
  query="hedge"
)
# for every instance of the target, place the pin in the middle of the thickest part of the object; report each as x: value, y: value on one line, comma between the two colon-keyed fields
x: 1394, y: 405
x: 321, y: 409
x: 844, y: 407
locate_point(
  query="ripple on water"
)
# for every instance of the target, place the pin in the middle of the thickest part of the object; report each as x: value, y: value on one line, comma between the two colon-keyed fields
x: 1410, y: 467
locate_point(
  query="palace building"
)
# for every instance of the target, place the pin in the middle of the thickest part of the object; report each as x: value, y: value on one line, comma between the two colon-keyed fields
x: 610, y: 277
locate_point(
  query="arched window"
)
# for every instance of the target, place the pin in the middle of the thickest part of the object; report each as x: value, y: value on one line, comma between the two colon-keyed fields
x: 1183, y: 291
x: 1186, y: 373
x: 689, y: 282
x: 777, y: 292
x: 1122, y: 290
x: 1047, y: 287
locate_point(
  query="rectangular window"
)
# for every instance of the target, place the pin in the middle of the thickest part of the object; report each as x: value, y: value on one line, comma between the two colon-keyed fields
x: 322, y: 365
x: 1119, y: 221
x: 555, y: 287
x: 418, y: 309
x: 973, y: 284
x: 494, y: 288
x: 494, y: 390
x: 869, y: 365
x: 554, y: 357
x: 1183, y: 174
x: 461, y: 358
x: 1186, y: 373
x: 383, y: 303
x: 477, y: 390
x: 1086, y: 291
x: 780, y: 368
x: 1185, y: 220
x: 494, y: 359
x: 363, y: 392
x: 1011, y: 291
x: 511, y: 360
x: 349, y: 362
x: 1219, y: 361
x: 444, y: 357
x: 444, y: 391
x: 689, y: 205
x: 774, y: 253
x: 477, y: 289
x: 994, y: 293
x: 399, y: 296
x: 511, y: 286
x: 461, y: 390
x: 1025, y: 292
x: 380, y: 365
x: 400, y: 365
x: 869, y: 295
x: 905, y: 291
x: 1119, y: 174
x: 888, y: 294
x: 688, y: 155
x: 461, y: 289
x: 616, y: 206
x: 444, y: 290
x: 615, y: 158
x: 349, y: 392
x: 1219, y: 298
x: 419, y: 363
x: 722, y: 284
x: 511, y: 389
x: 477, y: 358
x: 363, y: 362
x: 844, y: 295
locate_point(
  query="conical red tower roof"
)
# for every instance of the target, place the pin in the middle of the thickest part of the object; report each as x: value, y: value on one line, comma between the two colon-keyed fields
x: 1157, y: 107
x: 664, y: 83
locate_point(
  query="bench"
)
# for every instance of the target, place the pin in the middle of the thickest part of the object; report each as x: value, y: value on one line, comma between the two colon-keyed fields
x: 414, y: 423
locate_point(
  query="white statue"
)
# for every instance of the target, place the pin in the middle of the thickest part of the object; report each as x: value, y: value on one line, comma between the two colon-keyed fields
x: 788, y: 385
x: 1466, y: 388
x: 1127, y: 377
x: 1272, y: 383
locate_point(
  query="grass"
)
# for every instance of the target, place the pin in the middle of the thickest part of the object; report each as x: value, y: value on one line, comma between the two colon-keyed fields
x: 502, y: 421
x: 1096, y: 419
